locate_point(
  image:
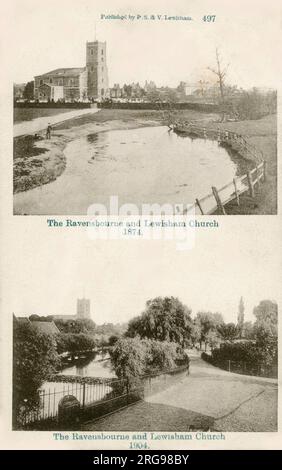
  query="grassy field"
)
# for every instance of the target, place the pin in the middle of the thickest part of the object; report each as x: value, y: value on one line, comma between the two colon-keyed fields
x: 27, y: 114
x: 130, y: 115
x: 261, y: 133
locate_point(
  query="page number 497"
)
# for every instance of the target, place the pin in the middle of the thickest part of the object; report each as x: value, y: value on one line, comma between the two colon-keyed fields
x: 209, y: 18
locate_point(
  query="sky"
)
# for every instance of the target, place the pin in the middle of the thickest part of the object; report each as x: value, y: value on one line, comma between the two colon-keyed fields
x: 46, y: 35
x: 50, y: 268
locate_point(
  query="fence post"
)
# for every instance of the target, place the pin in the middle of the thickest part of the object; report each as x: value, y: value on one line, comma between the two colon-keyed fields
x: 250, y: 183
x: 83, y: 395
x: 236, y: 192
x: 229, y: 362
x: 218, y: 200
x: 127, y: 391
x: 199, y: 205
x: 264, y: 170
x: 258, y: 178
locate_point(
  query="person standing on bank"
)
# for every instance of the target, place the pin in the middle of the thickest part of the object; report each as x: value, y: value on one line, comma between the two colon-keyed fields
x: 48, y: 131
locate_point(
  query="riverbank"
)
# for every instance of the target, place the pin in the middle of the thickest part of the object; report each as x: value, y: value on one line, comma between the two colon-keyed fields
x: 262, y: 134
x: 43, y: 161
x: 38, y: 162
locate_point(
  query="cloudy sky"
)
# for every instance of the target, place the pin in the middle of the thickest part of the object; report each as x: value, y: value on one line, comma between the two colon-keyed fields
x: 50, y: 268
x: 45, y: 35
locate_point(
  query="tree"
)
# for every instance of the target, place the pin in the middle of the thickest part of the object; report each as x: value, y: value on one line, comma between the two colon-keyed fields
x: 129, y: 357
x: 153, y: 96
x: 34, y: 359
x: 241, y: 313
x: 267, y: 313
x: 195, y: 333
x: 28, y: 92
x: 208, y: 322
x: 113, y: 339
x: 220, y: 72
x: 248, y: 330
x: 75, y: 342
x: 228, y: 331
x: 265, y: 328
x: 134, y: 357
x: 165, y: 319
x: 212, y: 339
x: 83, y: 325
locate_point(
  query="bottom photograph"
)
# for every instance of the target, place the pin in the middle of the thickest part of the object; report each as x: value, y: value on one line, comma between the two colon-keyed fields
x: 183, y: 342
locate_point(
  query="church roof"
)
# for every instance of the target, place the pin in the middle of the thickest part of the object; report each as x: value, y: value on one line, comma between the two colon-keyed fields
x: 64, y: 72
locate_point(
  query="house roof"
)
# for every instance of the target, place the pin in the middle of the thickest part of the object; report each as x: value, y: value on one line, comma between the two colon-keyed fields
x: 64, y: 72
x: 22, y: 319
x: 47, y: 327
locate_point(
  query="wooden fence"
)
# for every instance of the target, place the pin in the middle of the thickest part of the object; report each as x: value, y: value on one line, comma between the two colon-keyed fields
x: 219, y: 197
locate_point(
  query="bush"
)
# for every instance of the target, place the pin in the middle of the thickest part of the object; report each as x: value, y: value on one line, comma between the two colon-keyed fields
x: 74, y: 342
x: 35, y: 359
x: 134, y: 357
x: 248, y: 352
x: 206, y: 357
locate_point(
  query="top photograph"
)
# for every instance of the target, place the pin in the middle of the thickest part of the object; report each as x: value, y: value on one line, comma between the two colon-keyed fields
x: 154, y: 110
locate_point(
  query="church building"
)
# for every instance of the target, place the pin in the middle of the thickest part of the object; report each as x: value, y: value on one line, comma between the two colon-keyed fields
x: 76, y: 84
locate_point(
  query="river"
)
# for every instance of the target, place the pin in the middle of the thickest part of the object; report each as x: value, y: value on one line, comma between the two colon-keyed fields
x: 52, y: 392
x: 144, y: 165
x: 99, y: 366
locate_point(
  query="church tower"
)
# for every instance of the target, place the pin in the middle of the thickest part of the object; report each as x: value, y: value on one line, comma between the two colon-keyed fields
x: 97, y: 71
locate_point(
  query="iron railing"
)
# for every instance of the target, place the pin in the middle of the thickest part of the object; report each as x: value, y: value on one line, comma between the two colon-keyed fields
x: 96, y: 399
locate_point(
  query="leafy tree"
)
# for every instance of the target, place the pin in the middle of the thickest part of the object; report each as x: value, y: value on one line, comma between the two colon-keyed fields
x: 113, y: 339
x: 248, y: 330
x: 165, y: 319
x: 28, y: 92
x: 267, y: 313
x: 208, y: 322
x: 241, y: 313
x: 134, y: 357
x: 265, y: 328
x: 163, y: 355
x: 83, y: 325
x: 34, y: 359
x: 195, y: 333
x: 129, y: 357
x: 212, y: 339
x: 74, y: 342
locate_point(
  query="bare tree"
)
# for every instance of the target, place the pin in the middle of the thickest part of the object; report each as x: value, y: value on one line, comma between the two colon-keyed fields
x: 220, y: 72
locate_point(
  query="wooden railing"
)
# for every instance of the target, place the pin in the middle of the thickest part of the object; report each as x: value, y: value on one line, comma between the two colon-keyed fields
x: 218, y: 198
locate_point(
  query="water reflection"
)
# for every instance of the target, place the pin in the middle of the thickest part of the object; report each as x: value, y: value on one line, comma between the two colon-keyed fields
x: 95, y: 365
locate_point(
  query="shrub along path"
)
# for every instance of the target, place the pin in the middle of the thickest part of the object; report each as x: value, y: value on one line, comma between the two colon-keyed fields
x: 208, y: 399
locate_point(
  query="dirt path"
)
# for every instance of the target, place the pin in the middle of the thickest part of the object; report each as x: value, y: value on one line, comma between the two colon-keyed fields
x: 208, y: 399
x: 40, y: 123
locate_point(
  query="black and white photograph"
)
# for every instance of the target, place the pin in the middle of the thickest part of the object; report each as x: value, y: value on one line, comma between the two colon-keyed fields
x: 148, y: 108
x: 135, y: 317
x: 185, y: 342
